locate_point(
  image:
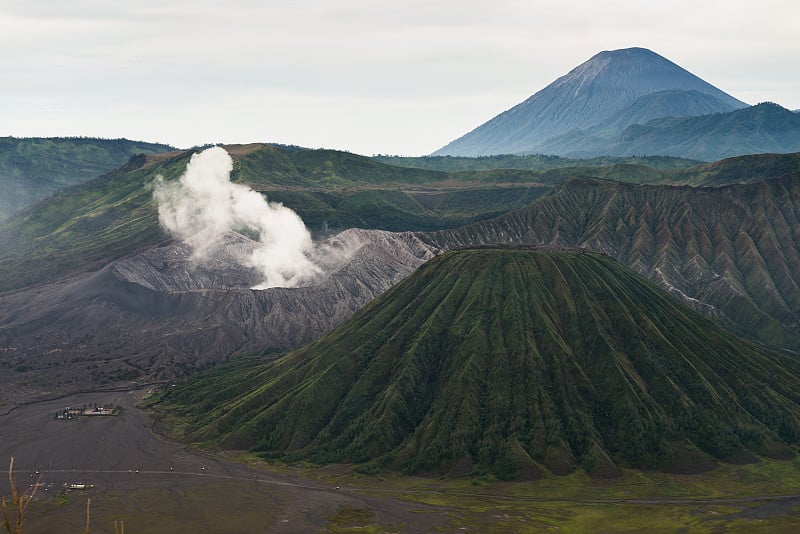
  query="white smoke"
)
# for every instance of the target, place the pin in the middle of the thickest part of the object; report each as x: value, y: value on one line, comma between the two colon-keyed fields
x: 203, y: 205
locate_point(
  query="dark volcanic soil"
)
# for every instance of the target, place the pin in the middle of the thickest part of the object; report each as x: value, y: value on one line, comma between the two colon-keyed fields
x: 160, y: 316
x: 156, y: 486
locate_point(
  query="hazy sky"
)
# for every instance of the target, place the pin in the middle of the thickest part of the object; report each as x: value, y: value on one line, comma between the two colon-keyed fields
x: 369, y: 76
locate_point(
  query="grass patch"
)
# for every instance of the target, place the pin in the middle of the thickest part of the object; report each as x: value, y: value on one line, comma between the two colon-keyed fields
x: 717, y: 501
x: 350, y: 519
x: 63, y: 499
x: 730, y: 498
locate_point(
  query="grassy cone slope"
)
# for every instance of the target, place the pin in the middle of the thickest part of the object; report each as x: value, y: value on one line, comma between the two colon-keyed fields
x: 511, y: 361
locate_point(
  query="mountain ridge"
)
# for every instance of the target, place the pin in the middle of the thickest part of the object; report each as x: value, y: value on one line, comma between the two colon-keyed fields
x: 763, y: 128
x: 32, y: 168
x: 735, y: 248
x: 582, y: 99
x: 760, y: 129
x: 743, y: 273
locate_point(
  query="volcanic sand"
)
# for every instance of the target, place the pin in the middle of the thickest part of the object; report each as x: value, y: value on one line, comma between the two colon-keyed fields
x: 155, y: 485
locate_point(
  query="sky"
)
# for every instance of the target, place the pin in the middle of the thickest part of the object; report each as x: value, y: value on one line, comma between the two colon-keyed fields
x: 367, y: 76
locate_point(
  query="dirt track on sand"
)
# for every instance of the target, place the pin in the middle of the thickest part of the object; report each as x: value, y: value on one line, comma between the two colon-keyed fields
x: 145, y: 477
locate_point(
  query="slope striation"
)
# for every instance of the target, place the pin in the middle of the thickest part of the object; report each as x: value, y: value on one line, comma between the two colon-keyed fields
x: 93, y: 292
x: 512, y: 361
x: 731, y: 252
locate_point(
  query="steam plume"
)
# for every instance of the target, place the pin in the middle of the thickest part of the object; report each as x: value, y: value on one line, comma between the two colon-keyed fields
x: 204, y: 204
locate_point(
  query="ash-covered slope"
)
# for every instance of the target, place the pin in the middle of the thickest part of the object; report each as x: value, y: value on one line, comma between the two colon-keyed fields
x: 592, y: 96
x: 92, y: 291
x: 513, y: 361
x: 731, y: 252
x: 160, y: 314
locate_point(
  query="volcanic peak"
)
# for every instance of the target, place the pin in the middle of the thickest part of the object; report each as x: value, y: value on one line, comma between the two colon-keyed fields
x: 513, y: 361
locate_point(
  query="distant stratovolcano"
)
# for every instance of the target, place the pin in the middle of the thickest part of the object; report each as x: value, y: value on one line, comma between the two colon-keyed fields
x: 609, y: 92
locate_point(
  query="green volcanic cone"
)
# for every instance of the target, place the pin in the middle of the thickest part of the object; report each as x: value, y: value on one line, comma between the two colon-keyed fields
x: 511, y: 361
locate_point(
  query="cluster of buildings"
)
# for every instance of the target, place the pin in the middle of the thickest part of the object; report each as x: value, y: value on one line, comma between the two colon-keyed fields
x: 72, y: 412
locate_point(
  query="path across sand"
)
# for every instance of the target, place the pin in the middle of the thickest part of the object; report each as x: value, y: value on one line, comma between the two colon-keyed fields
x: 122, y: 455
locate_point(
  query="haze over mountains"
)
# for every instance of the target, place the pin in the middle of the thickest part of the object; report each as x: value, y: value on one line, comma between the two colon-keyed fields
x: 33, y: 168
x: 605, y: 107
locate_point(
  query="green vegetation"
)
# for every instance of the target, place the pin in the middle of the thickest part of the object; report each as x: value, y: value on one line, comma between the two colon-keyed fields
x: 401, y: 210
x: 513, y: 362
x: 746, y: 169
x: 85, y: 226
x: 732, y: 498
x: 32, y: 168
x: 266, y: 166
x: 348, y: 519
x: 553, y: 170
x: 533, y: 162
